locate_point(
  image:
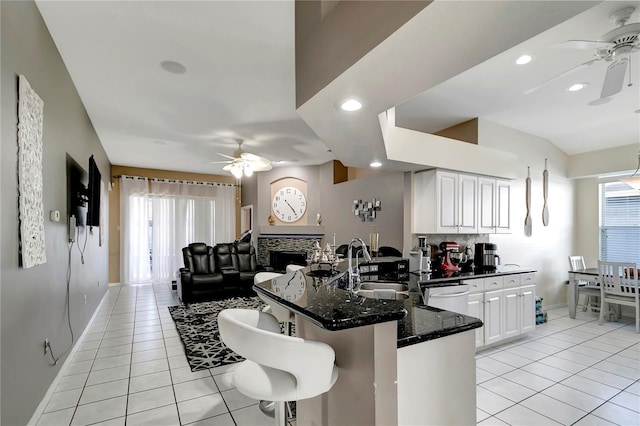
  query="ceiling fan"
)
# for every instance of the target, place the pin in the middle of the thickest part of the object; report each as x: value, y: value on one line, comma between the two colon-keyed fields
x: 244, y: 162
x: 616, y: 46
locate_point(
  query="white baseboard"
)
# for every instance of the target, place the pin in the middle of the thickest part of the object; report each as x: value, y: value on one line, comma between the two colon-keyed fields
x: 557, y: 305
x: 47, y: 396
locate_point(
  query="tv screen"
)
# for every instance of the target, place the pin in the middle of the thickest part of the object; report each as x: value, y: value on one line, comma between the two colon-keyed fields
x: 76, y: 191
x: 93, y: 192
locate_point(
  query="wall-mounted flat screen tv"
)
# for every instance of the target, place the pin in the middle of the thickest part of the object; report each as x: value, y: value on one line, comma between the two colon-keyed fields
x: 76, y: 191
x: 93, y: 193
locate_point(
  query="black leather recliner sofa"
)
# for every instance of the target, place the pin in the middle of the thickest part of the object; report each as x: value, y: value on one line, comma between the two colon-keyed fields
x: 217, y: 272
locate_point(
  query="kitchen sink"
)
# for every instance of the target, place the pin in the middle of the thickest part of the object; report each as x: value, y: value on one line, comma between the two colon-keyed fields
x: 374, y: 285
x: 383, y: 294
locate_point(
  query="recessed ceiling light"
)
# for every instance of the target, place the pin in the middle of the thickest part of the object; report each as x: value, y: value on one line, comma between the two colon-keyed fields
x: 577, y: 86
x: 524, y: 59
x: 173, y: 67
x: 350, y: 105
x: 375, y: 164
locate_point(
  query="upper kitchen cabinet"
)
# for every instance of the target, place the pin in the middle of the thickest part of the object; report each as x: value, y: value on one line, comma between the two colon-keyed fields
x: 494, y: 206
x: 445, y: 203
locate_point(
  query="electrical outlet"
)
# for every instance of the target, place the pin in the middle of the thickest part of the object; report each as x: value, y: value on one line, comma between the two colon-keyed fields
x: 46, y: 345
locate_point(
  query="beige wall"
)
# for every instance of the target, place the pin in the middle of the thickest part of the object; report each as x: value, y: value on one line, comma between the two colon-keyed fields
x: 114, y: 205
x: 586, y: 220
x: 334, y: 202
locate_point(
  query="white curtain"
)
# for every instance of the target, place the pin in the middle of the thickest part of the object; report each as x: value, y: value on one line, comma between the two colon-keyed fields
x: 134, y: 231
x: 187, y: 212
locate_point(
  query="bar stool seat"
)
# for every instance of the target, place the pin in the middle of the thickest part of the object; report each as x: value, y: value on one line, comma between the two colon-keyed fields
x: 292, y: 268
x: 277, y: 367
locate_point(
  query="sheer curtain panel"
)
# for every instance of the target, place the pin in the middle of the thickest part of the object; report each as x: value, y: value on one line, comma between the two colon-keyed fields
x: 184, y: 213
x: 134, y: 231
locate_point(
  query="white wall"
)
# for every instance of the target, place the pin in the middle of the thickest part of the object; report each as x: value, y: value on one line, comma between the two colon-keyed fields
x: 548, y: 247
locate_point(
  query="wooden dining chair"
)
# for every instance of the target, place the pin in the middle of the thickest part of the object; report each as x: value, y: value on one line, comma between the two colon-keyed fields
x: 591, y: 291
x: 619, y: 285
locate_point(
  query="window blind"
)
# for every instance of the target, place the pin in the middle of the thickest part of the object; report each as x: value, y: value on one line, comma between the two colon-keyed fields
x: 619, y: 222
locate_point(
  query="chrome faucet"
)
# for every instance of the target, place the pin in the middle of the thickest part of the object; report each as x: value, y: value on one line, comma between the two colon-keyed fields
x: 354, y: 270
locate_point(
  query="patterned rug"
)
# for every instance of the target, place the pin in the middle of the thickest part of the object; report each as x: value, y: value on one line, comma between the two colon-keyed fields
x: 198, y: 328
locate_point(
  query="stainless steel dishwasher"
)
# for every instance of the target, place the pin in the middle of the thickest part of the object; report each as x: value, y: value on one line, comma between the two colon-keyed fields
x: 454, y: 298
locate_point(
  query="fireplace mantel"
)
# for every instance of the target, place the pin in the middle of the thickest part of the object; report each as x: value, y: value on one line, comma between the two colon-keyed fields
x: 292, y: 230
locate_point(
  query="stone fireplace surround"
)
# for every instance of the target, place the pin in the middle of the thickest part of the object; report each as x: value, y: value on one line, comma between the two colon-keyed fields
x: 286, y: 240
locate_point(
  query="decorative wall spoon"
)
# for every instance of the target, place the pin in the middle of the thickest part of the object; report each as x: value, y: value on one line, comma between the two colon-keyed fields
x: 545, y: 193
x: 527, y: 219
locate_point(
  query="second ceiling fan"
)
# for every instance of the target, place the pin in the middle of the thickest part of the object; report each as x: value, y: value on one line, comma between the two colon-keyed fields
x: 615, y: 46
x: 244, y: 162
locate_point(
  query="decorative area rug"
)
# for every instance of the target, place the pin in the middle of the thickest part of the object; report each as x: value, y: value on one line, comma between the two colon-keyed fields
x: 197, y: 326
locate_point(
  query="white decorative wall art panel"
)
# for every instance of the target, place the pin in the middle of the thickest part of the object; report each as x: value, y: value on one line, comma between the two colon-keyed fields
x: 30, y: 118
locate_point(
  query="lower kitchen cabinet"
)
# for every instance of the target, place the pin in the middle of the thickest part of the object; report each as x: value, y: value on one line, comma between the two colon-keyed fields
x: 506, y: 305
x: 476, y: 309
x: 493, y: 316
x: 511, y: 312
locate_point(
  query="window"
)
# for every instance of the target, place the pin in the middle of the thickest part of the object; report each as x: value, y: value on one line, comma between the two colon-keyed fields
x: 619, y: 222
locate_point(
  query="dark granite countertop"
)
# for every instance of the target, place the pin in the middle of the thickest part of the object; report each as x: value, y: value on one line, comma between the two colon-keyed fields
x: 438, y: 278
x: 323, y: 301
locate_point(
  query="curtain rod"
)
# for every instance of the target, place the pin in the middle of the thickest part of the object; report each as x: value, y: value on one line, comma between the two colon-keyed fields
x: 191, y: 182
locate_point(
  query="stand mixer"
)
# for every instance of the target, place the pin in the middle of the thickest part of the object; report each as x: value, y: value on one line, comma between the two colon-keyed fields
x: 451, y: 257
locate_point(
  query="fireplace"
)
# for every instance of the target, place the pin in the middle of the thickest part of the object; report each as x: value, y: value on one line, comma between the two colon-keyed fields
x: 278, y: 250
x: 279, y: 259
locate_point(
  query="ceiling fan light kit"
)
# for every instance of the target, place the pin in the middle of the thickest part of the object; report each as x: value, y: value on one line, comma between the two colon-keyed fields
x: 244, y: 163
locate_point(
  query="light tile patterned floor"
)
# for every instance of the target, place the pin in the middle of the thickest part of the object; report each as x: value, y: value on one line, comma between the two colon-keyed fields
x: 130, y: 369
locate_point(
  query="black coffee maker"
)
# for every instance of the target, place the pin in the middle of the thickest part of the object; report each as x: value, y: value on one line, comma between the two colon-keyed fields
x: 469, y: 264
x: 486, y: 257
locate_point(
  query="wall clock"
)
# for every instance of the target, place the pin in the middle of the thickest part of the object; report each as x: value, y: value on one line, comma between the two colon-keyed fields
x: 289, y: 204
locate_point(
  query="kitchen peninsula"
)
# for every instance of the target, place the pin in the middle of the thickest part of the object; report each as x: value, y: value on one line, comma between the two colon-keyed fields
x: 401, y: 362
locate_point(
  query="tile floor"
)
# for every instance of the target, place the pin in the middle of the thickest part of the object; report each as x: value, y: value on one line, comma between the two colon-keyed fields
x: 130, y: 369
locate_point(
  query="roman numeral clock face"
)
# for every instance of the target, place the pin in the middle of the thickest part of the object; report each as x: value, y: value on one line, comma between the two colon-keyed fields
x: 289, y: 204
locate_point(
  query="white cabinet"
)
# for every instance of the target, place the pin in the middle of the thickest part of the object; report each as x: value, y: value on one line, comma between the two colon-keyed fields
x: 494, y: 206
x: 476, y: 310
x: 511, y: 312
x: 505, y: 304
x: 493, y: 316
x: 444, y: 203
x: 528, y: 305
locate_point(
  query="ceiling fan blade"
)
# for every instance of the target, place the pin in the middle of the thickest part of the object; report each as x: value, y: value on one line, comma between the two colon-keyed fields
x: 569, y: 71
x: 219, y: 162
x: 614, y: 78
x: 259, y: 167
x: 226, y: 156
x: 582, y: 44
x: 254, y: 158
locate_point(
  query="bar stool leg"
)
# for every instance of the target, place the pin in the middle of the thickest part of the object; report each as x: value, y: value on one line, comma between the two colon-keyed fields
x: 280, y: 415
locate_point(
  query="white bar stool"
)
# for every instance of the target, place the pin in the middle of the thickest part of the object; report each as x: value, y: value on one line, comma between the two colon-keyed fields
x: 292, y: 268
x: 277, y: 367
